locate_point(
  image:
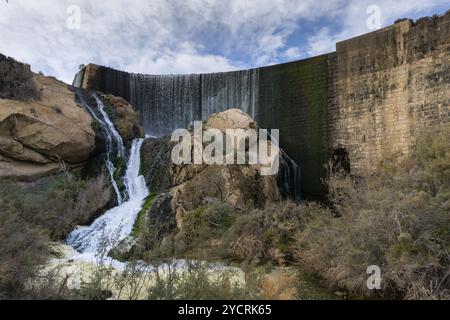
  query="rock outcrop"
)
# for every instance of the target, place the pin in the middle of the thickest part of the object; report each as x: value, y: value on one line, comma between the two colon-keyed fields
x: 184, y: 188
x: 39, y: 136
x: 125, y: 118
x: 238, y: 185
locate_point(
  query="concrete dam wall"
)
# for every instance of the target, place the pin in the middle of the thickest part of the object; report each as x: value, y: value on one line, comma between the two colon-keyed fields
x: 368, y: 100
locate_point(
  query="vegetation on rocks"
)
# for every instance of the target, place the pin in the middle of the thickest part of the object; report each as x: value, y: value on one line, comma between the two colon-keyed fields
x: 396, y: 218
x: 16, y: 81
x: 32, y: 215
x: 125, y: 118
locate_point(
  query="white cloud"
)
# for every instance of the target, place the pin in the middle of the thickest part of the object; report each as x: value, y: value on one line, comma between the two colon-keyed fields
x: 352, y: 20
x: 322, y: 42
x: 181, y: 62
x: 182, y: 36
x: 292, y: 53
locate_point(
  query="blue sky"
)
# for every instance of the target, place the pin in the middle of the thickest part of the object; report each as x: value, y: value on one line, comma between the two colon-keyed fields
x: 187, y: 36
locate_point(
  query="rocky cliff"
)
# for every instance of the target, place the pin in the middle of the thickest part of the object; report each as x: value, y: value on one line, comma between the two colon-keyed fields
x: 43, y: 129
x: 40, y: 136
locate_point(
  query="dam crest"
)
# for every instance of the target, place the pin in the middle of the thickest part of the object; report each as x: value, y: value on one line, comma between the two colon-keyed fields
x: 368, y: 100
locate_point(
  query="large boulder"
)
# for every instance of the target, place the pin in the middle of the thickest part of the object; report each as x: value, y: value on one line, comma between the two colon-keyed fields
x: 191, y: 186
x: 44, y: 130
x: 238, y: 185
x: 40, y: 136
x: 230, y: 119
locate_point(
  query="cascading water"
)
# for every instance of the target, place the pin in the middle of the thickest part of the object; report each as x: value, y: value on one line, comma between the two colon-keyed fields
x: 110, y: 127
x: 113, y: 139
x: 112, y: 135
x: 221, y: 91
x: 289, y: 175
x: 166, y: 102
x: 169, y: 102
x: 116, y: 224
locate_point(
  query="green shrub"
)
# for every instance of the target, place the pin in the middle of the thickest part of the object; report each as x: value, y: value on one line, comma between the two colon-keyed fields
x: 57, y: 204
x: 23, y: 248
x: 201, y: 281
x: 206, y: 223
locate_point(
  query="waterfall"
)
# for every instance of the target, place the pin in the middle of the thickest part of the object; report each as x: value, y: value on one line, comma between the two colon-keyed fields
x: 169, y: 102
x: 289, y: 176
x: 226, y: 90
x: 113, y: 138
x: 110, y: 128
x: 116, y: 224
x: 166, y: 102
x: 289, y: 179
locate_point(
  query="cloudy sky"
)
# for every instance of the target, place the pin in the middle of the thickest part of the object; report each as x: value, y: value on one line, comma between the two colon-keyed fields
x: 187, y: 36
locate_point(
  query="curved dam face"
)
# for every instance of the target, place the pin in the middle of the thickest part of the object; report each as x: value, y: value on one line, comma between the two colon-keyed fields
x: 290, y: 97
x: 368, y: 100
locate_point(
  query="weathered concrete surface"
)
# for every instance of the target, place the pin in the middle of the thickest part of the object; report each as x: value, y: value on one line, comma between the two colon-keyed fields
x: 388, y: 86
x: 372, y: 97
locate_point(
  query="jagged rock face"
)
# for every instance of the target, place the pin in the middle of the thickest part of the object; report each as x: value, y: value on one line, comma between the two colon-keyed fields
x: 37, y: 136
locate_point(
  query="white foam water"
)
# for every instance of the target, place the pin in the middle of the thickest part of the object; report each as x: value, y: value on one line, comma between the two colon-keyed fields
x: 116, y: 224
x: 111, y: 135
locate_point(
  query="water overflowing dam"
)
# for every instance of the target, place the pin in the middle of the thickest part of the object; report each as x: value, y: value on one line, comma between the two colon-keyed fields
x: 169, y: 102
x: 290, y: 97
x: 372, y: 95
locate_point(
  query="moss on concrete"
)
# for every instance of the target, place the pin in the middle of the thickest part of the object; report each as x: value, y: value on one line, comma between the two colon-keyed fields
x: 293, y: 98
x: 137, y: 227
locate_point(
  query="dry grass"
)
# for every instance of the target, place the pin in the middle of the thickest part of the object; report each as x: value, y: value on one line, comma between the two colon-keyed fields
x: 268, y: 234
x: 279, y: 285
x: 33, y: 215
x: 397, y: 218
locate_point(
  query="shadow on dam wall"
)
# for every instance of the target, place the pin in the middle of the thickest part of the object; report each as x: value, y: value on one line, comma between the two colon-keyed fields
x: 291, y: 97
x: 369, y: 100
